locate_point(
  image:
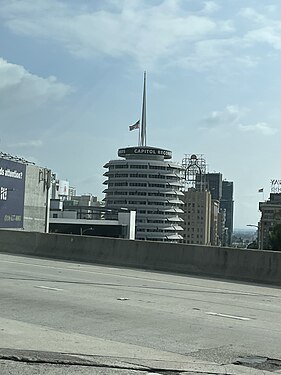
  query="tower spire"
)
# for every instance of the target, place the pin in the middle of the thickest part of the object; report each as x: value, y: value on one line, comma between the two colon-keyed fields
x: 143, y: 115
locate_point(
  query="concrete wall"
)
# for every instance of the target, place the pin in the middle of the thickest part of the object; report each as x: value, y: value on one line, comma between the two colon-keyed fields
x: 239, y: 264
x: 35, y: 199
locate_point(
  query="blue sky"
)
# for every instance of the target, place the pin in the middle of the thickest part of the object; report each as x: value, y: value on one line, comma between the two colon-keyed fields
x: 71, y: 83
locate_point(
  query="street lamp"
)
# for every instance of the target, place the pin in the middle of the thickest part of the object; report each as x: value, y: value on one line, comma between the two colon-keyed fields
x: 85, y: 230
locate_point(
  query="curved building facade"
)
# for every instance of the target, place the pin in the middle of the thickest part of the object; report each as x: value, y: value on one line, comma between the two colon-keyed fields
x: 145, y: 181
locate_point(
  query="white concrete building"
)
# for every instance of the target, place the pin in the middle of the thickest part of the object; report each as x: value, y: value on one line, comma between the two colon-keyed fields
x: 145, y: 181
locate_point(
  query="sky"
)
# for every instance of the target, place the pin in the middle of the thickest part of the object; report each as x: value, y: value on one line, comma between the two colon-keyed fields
x: 71, y: 78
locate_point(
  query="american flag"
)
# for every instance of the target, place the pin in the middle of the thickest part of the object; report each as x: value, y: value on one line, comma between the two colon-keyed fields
x: 135, y: 126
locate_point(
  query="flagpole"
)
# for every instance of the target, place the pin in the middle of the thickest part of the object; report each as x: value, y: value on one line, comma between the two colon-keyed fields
x: 139, y: 138
x: 261, y: 191
x: 143, y: 116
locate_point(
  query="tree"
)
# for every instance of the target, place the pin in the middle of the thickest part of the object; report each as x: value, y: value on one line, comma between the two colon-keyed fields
x: 275, y: 237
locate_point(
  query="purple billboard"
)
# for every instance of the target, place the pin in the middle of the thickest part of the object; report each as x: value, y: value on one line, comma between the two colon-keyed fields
x: 12, y: 186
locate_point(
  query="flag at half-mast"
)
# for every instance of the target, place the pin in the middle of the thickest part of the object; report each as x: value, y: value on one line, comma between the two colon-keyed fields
x: 135, y: 126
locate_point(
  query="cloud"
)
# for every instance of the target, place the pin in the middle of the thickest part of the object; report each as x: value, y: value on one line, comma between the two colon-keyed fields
x: 271, y: 8
x: 224, y: 53
x: 152, y: 34
x: 206, y: 53
x: 229, y: 116
x: 252, y: 15
x: 27, y: 144
x: 226, y: 26
x: 232, y: 118
x: 268, y: 35
x: 139, y: 30
x: 210, y: 7
x: 269, y: 30
x: 19, y: 88
x: 261, y: 127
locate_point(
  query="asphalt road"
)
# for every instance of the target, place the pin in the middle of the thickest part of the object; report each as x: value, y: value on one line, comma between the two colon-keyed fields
x: 123, y: 318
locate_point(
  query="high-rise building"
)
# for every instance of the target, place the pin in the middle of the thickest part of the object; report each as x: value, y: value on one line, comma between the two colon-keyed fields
x: 197, y: 217
x: 222, y: 229
x: 221, y: 191
x: 198, y: 179
x: 215, y: 208
x: 227, y: 204
x: 211, y: 182
x: 147, y: 182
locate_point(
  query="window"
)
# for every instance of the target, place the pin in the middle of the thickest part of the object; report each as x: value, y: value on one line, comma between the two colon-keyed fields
x: 157, y: 185
x: 137, y: 193
x: 143, y: 184
x: 155, y: 212
x: 137, y: 202
x: 138, y: 175
x: 159, y: 167
x: 156, y: 203
x: 120, y: 166
x: 138, y: 166
x: 156, y: 194
x: 157, y: 176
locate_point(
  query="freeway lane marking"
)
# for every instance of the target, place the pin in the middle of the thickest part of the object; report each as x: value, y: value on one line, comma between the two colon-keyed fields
x: 47, y: 287
x: 227, y: 316
x: 81, y: 269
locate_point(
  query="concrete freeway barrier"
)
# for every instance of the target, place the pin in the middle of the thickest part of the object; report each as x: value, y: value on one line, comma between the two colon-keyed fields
x: 228, y: 263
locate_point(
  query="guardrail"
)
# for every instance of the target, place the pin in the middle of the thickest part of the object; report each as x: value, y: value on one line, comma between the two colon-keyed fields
x: 228, y: 263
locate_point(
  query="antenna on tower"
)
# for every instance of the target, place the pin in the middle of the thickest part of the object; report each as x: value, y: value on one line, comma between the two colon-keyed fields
x: 143, y: 115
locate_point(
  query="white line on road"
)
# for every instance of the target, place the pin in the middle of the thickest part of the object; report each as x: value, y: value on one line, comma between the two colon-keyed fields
x: 47, y: 287
x: 227, y: 316
x: 80, y: 268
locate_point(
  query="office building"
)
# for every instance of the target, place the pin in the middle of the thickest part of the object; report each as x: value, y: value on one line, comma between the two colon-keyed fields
x: 212, y: 191
x: 145, y: 180
x: 270, y: 216
x: 222, y: 229
x: 211, y: 182
x: 197, y: 217
x: 227, y: 204
x: 24, y: 194
x: 222, y: 192
x: 215, y: 208
x: 85, y: 215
